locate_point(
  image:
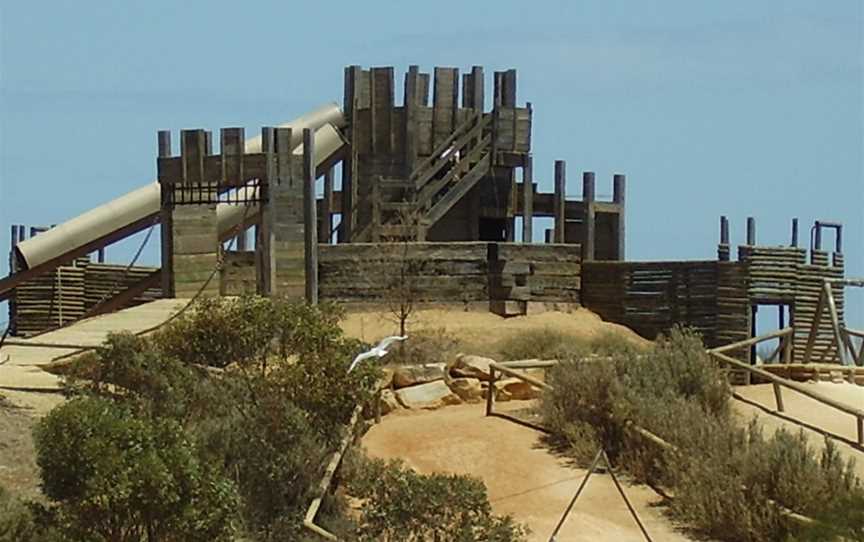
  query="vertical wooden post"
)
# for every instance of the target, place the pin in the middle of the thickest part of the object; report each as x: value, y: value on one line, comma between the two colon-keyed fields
x: 166, y: 223
x: 100, y: 255
x: 619, y: 185
x: 326, y: 209
x: 12, y: 246
x: 412, y: 83
x: 560, y: 201
x: 476, y: 91
x: 375, y: 194
x: 751, y: 231
x: 723, y: 251
x: 490, y: 392
x: 265, y: 242
x: 349, y: 189
x: 794, y: 233
x: 838, y: 247
x: 498, y: 90
x: 835, y: 322
x: 588, y: 227
x: 508, y: 96
x: 778, y: 397
x: 528, y: 200
x: 860, y: 425
x: 310, y: 221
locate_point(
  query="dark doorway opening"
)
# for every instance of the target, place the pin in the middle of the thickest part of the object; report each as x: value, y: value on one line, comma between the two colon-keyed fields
x: 767, y: 318
x: 493, y: 229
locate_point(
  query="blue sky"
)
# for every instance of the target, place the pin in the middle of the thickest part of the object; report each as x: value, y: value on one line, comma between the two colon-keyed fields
x: 737, y: 108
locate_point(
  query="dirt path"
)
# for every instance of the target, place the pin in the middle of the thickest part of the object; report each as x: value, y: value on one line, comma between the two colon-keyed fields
x: 522, y: 477
x: 804, y: 412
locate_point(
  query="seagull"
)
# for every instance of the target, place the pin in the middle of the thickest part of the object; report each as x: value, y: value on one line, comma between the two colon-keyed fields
x: 379, y: 351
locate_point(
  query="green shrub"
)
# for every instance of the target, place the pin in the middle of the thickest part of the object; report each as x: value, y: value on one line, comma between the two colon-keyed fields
x: 724, y: 477
x: 16, y: 520
x: 541, y: 343
x: 115, y: 476
x: 217, y: 331
x: 401, y: 505
x: 266, y: 422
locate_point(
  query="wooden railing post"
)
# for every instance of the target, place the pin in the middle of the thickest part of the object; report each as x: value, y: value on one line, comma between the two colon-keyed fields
x: 860, y: 430
x: 778, y: 396
x: 490, y: 392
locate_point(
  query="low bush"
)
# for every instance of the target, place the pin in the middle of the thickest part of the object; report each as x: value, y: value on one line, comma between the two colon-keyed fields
x: 424, y: 346
x: 726, y: 478
x: 540, y: 343
x: 114, y: 476
x: 17, y: 523
x: 401, y: 505
x: 263, y: 422
x: 550, y: 343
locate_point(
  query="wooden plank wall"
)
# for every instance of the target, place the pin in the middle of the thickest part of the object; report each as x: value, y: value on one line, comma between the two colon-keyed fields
x: 733, y: 307
x: 651, y: 297
x: 67, y: 293
x: 772, y: 272
x: 50, y: 300
x: 526, y: 272
x: 807, y: 291
x: 104, y: 281
x: 453, y: 272
x: 441, y: 272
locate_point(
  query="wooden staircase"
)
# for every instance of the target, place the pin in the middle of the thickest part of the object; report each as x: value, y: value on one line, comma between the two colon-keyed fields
x: 437, y: 184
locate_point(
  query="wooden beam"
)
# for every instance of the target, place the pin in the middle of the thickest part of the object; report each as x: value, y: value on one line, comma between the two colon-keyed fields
x: 123, y: 298
x: 528, y: 200
x: 310, y: 221
x: 835, y: 322
x: 588, y: 229
x: 560, y: 199
x: 619, y: 184
x: 8, y: 284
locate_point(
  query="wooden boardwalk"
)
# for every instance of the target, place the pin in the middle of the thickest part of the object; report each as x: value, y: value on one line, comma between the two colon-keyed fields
x: 21, y: 360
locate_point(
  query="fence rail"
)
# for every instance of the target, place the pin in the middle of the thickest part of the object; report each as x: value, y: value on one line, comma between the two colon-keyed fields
x: 779, y: 382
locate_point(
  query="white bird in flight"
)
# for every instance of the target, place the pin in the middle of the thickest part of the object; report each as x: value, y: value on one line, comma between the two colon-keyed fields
x: 379, y: 351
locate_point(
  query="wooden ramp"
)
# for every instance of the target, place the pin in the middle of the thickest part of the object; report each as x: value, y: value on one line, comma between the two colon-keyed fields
x: 21, y: 359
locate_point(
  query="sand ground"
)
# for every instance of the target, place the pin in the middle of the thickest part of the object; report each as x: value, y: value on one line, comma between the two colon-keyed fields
x: 524, y: 479
x: 482, y: 331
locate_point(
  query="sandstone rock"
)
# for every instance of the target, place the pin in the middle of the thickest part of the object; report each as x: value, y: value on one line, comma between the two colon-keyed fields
x: 412, y: 375
x: 517, y: 389
x: 430, y: 395
x: 468, y: 389
x: 467, y: 366
x: 389, y: 403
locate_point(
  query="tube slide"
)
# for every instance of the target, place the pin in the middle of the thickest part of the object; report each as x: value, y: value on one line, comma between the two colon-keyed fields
x: 145, y: 201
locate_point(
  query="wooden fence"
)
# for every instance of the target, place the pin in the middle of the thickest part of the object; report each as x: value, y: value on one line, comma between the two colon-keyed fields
x: 651, y: 297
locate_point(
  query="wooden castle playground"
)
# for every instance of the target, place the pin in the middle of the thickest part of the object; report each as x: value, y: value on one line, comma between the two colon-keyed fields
x: 449, y: 182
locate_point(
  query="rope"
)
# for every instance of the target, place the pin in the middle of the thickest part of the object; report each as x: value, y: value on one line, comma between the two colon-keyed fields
x: 220, y: 262
x: 129, y: 267
x: 601, y: 454
x: 624, y: 496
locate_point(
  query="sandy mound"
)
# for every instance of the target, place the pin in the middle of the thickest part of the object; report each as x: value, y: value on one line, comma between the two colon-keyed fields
x: 483, y: 330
